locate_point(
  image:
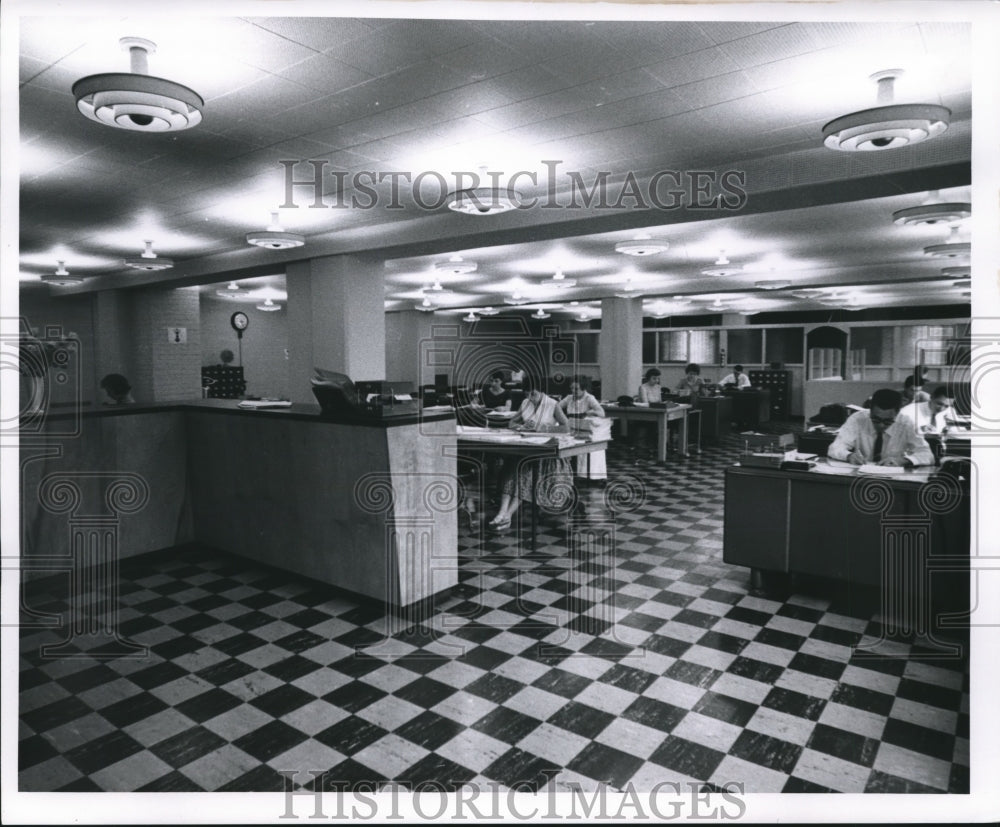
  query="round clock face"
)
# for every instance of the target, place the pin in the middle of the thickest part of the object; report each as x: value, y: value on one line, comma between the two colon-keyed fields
x: 239, y: 321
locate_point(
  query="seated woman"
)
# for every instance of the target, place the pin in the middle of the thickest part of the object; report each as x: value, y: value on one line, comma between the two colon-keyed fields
x: 495, y: 396
x: 538, y: 412
x: 649, y: 390
x: 118, y: 389
x: 692, y: 385
x: 579, y: 405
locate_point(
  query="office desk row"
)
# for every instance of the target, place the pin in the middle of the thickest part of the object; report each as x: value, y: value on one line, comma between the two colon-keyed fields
x: 685, y: 414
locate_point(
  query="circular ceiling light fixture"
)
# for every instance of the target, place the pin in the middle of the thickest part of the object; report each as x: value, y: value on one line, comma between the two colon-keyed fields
x: 488, y: 311
x: 61, y: 277
x: 629, y: 291
x: 641, y: 245
x: 437, y: 288
x: 772, y: 284
x: 455, y: 266
x: 749, y: 312
x: 268, y: 306
x: 541, y: 314
x: 515, y: 298
x: 426, y: 305
x: 952, y: 248
x: 888, y: 125
x: 148, y: 260
x: 138, y: 101
x: 806, y: 293
x: 233, y: 291
x: 723, y: 267
x: 472, y: 317
x: 274, y: 237
x: 964, y: 283
x: 483, y: 201
x: 933, y: 211
x: 560, y: 281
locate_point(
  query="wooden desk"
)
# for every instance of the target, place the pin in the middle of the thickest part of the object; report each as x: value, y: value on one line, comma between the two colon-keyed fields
x: 661, y: 416
x: 834, y: 523
x: 524, y: 447
x: 957, y: 444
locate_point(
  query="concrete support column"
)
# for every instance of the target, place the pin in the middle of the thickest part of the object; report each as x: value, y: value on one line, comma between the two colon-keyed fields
x: 404, y: 332
x: 620, y: 350
x: 336, y: 320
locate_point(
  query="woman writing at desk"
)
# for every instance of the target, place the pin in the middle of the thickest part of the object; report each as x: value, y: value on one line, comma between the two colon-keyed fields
x: 538, y: 412
x: 579, y: 405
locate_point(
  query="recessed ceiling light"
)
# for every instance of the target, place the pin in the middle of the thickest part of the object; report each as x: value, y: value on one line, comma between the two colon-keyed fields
x: 772, y: 284
x: 62, y: 277
x: 933, y: 211
x: 233, y: 291
x: 137, y: 100
x: 641, y: 245
x: 886, y: 126
x: 268, y: 306
x: 950, y: 249
x: 455, y: 266
x: 274, y: 237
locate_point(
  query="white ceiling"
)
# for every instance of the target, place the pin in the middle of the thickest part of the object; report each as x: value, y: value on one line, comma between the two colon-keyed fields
x: 444, y: 96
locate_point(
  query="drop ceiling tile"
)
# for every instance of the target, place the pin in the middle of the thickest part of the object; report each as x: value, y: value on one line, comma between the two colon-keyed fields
x: 529, y: 82
x: 257, y: 46
x: 600, y: 61
x: 469, y: 99
x: 485, y: 59
x: 787, y: 41
x: 692, y: 67
x: 311, y: 116
x: 657, y: 39
x: 704, y: 93
x: 618, y: 87
x: 319, y: 33
x: 514, y: 115
x: 736, y: 30
x: 325, y: 73
x: 402, y: 43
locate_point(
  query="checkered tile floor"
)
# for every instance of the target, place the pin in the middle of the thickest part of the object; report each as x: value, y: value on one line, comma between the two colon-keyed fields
x: 637, y: 657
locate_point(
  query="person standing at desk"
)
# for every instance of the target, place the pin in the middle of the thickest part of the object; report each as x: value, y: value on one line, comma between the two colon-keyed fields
x: 579, y: 405
x: 692, y: 385
x: 930, y: 417
x: 650, y: 390
x: 737, y: 378
x: 538, y: 412
x: 878, y: 437
x: 495, y: 397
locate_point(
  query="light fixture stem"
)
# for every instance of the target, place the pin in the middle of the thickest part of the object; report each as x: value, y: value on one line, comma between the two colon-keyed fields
x: 140, y: 60
x: 886, y: 90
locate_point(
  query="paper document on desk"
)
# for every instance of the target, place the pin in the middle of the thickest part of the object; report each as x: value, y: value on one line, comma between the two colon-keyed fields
x: 257, y: 404
x: 881, y: 470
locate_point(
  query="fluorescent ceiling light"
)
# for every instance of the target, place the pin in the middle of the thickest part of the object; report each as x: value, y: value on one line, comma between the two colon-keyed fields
x: 887, y: 126
x: 137, y: 100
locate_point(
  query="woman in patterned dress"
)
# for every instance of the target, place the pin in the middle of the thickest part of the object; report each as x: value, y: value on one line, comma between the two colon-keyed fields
x: 538, y: 412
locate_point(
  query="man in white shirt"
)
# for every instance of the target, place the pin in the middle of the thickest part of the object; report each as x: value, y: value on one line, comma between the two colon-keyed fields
x: 737, y: 378
x: 930, y: 417
x: 878, y: 437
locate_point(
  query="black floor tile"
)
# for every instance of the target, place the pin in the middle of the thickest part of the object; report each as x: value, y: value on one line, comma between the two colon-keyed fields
x: 848, y: 746
x: 521, y: 771
x: 920, y: 739
x: 758, y: 748
x: 425, y: 692
x: 208, y: 704
x: 270, y: 740
x: 128, y: 711
x: 429, y: 730
x: 686, y: 757
x: 794, y: 703
x: 725, y: 708
x: 282, y: 699
x: 353, y: 734
x: 606, y: 764
x: 354, y: 696
x: 507, y: 725
x: 102, y: 752
x: 654, y: 713
x: 582, y: 719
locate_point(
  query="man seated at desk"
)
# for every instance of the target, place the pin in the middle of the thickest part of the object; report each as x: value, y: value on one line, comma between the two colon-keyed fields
x: 933, y: 416
x: 878, y: 437
x: 737, y: 379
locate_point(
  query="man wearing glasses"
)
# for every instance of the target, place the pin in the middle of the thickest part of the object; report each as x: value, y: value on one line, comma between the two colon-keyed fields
x: 875, y: 437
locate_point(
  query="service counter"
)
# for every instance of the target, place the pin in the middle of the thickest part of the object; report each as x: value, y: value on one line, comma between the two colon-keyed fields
x: 367, y: 506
